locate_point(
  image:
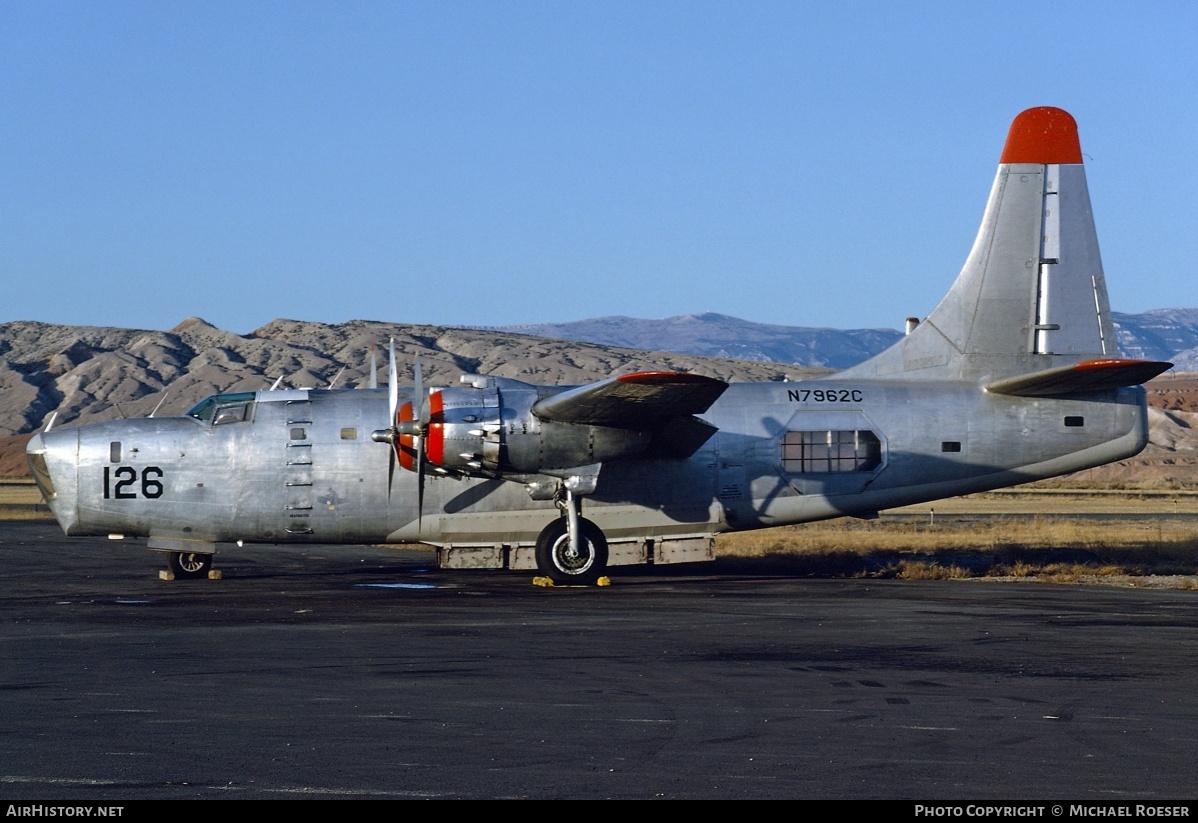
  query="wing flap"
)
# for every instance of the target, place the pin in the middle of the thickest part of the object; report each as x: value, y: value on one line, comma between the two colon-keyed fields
x: 1091, y: 375
x: 639, y: 401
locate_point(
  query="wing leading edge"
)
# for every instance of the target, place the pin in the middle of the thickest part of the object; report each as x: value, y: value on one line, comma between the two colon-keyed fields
x: 640, y: 401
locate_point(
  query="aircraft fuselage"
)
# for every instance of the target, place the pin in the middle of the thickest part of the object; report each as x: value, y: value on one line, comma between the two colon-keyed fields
x: 299, y: 466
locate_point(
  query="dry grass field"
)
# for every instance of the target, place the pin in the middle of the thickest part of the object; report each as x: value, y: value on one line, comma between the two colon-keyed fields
x: 992, y: 545
x: 20, y: 500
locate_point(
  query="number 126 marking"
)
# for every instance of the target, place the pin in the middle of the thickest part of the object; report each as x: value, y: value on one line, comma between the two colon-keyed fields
x: 125, y: 487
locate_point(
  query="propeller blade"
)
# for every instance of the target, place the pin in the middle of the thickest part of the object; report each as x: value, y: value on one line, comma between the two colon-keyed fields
x: 421, y: 413
x: 418, y: 392
x: 419, y: 483
x: 392, y: 387
x: 390, y: 469
x: 374, y: 368
x: 392, y: 407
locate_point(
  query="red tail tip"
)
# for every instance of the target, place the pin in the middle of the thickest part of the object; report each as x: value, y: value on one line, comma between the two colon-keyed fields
x: 1043, y: 135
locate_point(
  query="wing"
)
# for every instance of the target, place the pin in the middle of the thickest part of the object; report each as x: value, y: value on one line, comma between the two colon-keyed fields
x: 641, y: 401
x: 1092, y: 375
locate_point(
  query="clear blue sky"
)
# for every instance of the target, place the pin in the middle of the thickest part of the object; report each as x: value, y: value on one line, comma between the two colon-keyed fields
x: 495, y: 163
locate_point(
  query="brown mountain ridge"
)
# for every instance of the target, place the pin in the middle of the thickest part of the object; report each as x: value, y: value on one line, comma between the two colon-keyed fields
x: 89, y: 373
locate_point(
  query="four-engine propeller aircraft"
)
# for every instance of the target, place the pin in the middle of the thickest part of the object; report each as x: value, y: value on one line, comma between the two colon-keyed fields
x: 1013, y: 377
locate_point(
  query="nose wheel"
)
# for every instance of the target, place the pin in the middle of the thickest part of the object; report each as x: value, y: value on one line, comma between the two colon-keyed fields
x: 189, y: 565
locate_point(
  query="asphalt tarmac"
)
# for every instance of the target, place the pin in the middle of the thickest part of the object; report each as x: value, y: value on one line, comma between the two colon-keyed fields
x: 359, y: 672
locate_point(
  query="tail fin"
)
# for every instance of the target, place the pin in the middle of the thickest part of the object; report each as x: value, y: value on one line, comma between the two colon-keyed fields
x: 1031, y: 295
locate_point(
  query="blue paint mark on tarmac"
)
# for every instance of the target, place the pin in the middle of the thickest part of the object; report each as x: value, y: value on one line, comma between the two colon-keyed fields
x: 394, y: 586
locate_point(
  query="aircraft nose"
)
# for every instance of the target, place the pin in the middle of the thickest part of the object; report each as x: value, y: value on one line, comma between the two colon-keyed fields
x: 52, y: 462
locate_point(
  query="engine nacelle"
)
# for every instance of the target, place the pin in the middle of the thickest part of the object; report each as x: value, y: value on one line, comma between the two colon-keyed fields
x: 489, y: 430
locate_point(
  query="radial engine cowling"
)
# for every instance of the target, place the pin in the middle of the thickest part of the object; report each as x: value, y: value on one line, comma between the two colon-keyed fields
x: 491, y: 430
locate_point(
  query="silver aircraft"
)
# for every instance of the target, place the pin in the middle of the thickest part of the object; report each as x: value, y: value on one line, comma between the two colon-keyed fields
x: 1015, y: 376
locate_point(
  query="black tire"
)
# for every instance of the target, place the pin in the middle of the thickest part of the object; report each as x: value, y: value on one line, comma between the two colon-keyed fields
x: 555, y: 561
x: 189, y: 565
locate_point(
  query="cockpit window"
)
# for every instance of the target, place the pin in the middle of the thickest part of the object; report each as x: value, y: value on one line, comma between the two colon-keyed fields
x: 203, y: 410
x: 231, y: 414
x: 226, y: 408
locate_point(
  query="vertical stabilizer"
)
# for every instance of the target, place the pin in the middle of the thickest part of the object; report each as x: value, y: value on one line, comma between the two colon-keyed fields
x: 1031, y: 295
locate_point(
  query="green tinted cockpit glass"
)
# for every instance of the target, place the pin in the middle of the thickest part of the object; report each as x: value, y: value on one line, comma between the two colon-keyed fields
x: 205, y: 408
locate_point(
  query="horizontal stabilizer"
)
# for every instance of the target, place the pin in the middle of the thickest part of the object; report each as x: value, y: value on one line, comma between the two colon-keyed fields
x: 1088, y: 376
x: 632, y: 401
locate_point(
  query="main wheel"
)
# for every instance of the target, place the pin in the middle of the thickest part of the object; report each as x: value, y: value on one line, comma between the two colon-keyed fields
x: 556, y: 561
x: 189, y: 565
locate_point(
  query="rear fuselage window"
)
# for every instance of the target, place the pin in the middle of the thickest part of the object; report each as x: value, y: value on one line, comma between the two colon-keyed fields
x: 825, y: 452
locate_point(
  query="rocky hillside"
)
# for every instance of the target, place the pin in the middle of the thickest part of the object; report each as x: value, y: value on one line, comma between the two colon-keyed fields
x: 1162, y: 334
x: 89, y: 373
x: 1171, y: 458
